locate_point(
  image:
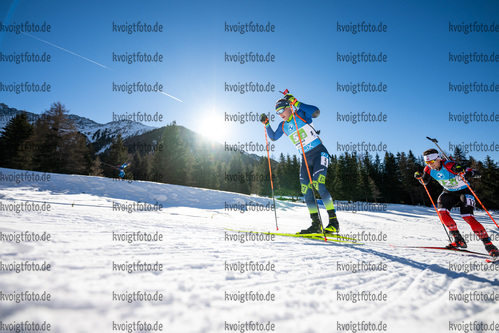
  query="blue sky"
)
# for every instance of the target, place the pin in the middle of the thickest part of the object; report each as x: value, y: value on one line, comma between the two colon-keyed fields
x: 305, y: 44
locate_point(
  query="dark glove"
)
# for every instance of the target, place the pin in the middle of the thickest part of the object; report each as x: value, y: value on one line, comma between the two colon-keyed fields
x: 471, y: 173
x: 264, y: 119
x: 459, y: 169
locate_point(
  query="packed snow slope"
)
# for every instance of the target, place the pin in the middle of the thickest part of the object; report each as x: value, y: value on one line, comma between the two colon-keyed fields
x: 196, y: 276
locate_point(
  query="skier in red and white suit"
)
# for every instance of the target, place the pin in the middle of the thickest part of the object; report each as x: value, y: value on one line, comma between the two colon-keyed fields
x: 455, y: 194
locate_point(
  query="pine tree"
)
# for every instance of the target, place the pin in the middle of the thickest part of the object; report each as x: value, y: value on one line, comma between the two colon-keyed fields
x: 460, y: 157
x: 376, y: 193
x: 282, y: 175
x: 256, y: 185
x: 489, y: 189
x: 331, y: 176
x: 171, y: 162
x: 76, y: 154
x: 375, y: 178
x: 219, y: 178
x: 96, y: 168
x: 407, y: 168
x: 117, y: 155
x: 239, y: 185
x: 203, y: 171
x: 412, y: 183
x: 352, y: 179
x: 390, y: 179
x: 263, y: 176
x: 366, y: 192
x: 14, y: 152
x: 45, y: 141
x: 340, y: 177
x: 58, y: 146
x: 294, y: 177
x: 476, y: 184
x: 139, y: 168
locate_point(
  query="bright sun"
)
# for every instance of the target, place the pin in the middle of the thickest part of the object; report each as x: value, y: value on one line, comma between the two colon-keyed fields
x: 213, y: 128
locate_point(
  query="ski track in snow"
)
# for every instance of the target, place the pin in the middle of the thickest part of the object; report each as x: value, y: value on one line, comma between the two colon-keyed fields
x: 194, y: 251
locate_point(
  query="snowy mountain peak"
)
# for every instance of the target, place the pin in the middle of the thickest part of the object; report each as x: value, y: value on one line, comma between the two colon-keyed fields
x: 91, y: 129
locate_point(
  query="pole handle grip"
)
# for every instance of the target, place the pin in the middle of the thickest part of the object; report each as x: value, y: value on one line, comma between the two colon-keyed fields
x: 433, y: 140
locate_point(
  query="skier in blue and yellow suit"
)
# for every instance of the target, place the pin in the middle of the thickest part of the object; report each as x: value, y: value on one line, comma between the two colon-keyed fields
x: 316, y: 154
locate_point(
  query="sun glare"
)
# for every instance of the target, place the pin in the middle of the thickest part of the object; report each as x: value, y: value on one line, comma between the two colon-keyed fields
x: 213, y: 128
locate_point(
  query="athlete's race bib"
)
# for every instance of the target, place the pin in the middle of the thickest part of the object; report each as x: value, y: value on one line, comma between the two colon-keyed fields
x: 449, y: 181
x: 307, y: 135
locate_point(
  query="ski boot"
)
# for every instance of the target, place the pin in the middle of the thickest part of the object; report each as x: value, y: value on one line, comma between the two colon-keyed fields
x: 333, y: 225
x: 315, y: 228
x: 458, y: 241
x: 490, y: 248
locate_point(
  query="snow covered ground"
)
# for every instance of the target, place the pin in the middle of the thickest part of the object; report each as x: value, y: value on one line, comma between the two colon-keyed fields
x: 187, y: 281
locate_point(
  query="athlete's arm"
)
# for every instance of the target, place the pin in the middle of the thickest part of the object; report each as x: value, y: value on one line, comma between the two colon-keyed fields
x: 310, y: 111
x: 456, y: 169
x: 274, y: 135
x: 426, y: 175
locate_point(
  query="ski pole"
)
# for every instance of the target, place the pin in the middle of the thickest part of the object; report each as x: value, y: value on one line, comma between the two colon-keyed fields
x: 476, y: 197
x: 436, y: 210
x: 109, y: 165
x: 306, y: 165
x: 271, y: 181
x: 464, y: 180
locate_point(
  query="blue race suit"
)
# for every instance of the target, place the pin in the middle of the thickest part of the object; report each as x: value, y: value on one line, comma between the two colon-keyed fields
x: 317, y: 155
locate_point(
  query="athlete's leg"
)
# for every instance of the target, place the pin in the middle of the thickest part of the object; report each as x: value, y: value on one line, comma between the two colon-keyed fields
x: 467, y: 207
x: 445, y: 202
x: 308, y: 193
x: 321, y: 164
